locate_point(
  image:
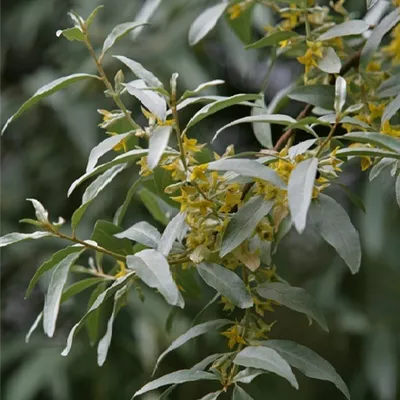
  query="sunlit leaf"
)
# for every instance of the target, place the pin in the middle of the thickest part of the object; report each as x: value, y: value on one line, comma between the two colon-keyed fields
x: 171, y: 233
x: 330, y: 63
x: 15, y: 237
x: 353, y: 27
x: 157, y: 145
x: 142, y: 232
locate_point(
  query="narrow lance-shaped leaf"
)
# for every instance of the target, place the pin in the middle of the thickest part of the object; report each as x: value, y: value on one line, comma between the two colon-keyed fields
x: 143, y: 233
x: 391, y: 109
x: 268, y: 360
x: 201, y: 87
x: 262, y: 131
x: 117, y: 33
x: 398, y: 190
x: 92, y: 16
x: 308, y: 362
x: 33, y: 327
x: 300, y: 190
x: 54, y: 292
x: 366, y: 151
x: 334, y: 225
x: 105, y: 341
x: 193, y: 332
x: 93, y: 190
x: 157, y: 145
x: 205, y: 22
x: 240, y: 394
x: 340, y: 94
x: 330, y: 63
x: 371, y: 3
x: 227, y: 283
x: 318, y: 95
x: 247, y: 375
x: 353, y: 27
x: 171, y: 233
x: 182, y: 376
x: 244, y: 222
x: 249, y: 168
x: 141, y: 72
x: 212, y: 396
x: 259, y: 118
x: 42, y: 214
x: 45, y: 91
x: 272, y: 40
x: 296, y: 299
x: 219, y: 105
x: 16, y: 237
x: 71, y: 34
x: 375, y: 138
x: 152, y: 268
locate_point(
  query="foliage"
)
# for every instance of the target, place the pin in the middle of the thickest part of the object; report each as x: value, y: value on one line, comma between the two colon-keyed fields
x: 226, y: 215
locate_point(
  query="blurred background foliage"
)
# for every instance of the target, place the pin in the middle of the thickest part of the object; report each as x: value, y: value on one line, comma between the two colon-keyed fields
x: 43, y: 152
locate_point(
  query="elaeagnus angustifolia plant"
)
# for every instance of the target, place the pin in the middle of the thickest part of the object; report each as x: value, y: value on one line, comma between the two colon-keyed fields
x: 225, y: 215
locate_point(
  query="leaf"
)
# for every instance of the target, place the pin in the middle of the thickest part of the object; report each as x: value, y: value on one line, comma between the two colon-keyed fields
x: 153, y: 269
x: 93, y: 319
x: 330, y: 63
x: 268, y: 360
x: 105, y: 341
x: 378, y: 168
x: 371, y: 3
x: 300, y: 148
x: 92, y: 192
x: 42, y: 214
x: 54, y: 292
x: 33, y: 327
x: 94, y: 307
x: 205, y: 22
x: 367, y: 151
x: 262, y: 132
x: 398, y: 190
x: 172, y: 232
x: 104, y: 147
x: 49, y: 264
x: 357, y: 201
x: 92, y: 16
x: 340, y: 94
x: 373, y: 42
x: 272, y: 40
x: 103, y: 235
x: 308, y: 362
x: 79, y: 287
x: 155, y: 103
x: 259, y: 118
x: 16, y: 237
x: 182, y: 376
x: 300, y: 190
x: 390, y: 87
x: 46, y: 91
x: 240, y: 394
x: 157, y: 144
x: 117, y: 33
x: 201, y: 87
x: 247, y: 375
x: 72, y: 34
x: 244, y: 222
x: 227, y: 283
x: 375, y: 138
x: 141, y: 72
x: 219, y: 105
x: 144, y: 15
x: 158, y: 208
x: 318, y: 95
x: 334, y: 225
x: 249, y: 168
x: 193, y: 332
x: 211, y: 396
x: 296, y: 299
x: 242, y: 25
x: 353, y: 27
x: 142, y: 232
x: 391, y: 109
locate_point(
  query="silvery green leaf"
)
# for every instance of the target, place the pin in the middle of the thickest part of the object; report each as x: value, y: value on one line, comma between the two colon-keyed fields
x: 45, y: 91
x: 262, y: 131
x: 300, y: 148
x: 153, y: 269
x: 266, y: 359
x: 219, y: 105
x: 390, y: 87
x: 182, y: 376
x: 227, y: 283
x: 366, y: 151
x: 244, y: 222
x: 334, y: 225
x: 330, y: 63
x: 352, y: 27
x: 71, y: 34
x: 144, y: 15
x: 378, y: 168
x: 211, y: 396
x: 93, y: 190
x: 391, y: 109
x: 142, y: 232
x: 206, y: 99
x: 398, y: 190
x: 318, y: 95
x: 296, y: 299
x: 375, y: 138
x: 308, y: 362
x: 240, y: 394
x: 11, y: 238
x: 259, y: 118
x: 205, y: 22
x: 247, y: 375
x: 371, y: 3
x: 42, y: 214
x: 92, y: 16
x: 150, y: 99
x: 248, y: 168
x: 201, y: 87
x: 272, y: 40
x: 141, y: 72
x: 193, y: 332
x: 171, y: 233
x: 300, y: 190
x: 33, y: 327
x: 340, y: 94
x: 157, y: 144
x: 117, y: 33
x: 54, y: 292
x: 102, y: 148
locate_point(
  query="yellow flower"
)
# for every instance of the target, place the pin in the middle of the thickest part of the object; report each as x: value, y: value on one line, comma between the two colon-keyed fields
x: 291, y: 18
x: 235, y: 11
x: 387, y: 129
x: 190, y: 145
x: 228, y: 306
x: 393, y: 49
x: 233, y: 334
x: 262, y: 306
x: 366, y: 162
x: 109, y: 117
x: 122, y: 270
x: 144, y: 168
x: 338, y: 7
x: 376, y: 110
x: 374, y: 66
x: 233, y: 197
x: 313, y: 52
x: 198, y: 173
x: 176, y: 169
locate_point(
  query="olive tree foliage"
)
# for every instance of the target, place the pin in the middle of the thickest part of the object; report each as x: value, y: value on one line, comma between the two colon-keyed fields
x: 225, y: 215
